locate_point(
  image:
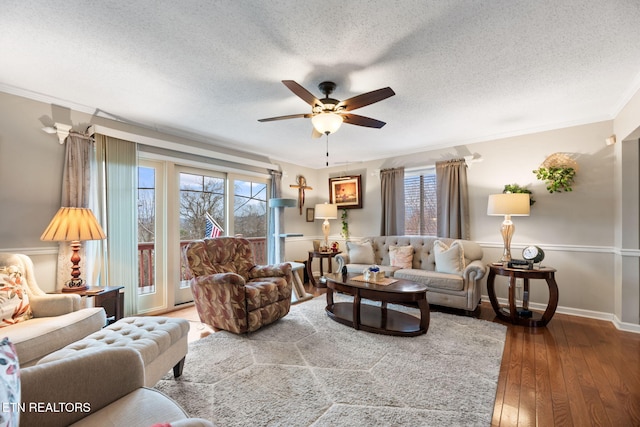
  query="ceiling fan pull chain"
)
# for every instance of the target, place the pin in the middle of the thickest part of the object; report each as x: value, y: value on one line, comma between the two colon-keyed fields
x: 327, y: 149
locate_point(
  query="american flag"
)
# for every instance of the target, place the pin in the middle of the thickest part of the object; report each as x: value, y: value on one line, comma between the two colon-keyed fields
x: 211, y: 229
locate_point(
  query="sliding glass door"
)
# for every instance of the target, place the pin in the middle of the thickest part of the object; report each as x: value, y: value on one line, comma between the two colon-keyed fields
x: 151, y: 237
x: 201, y: 210
x: 179, y: 204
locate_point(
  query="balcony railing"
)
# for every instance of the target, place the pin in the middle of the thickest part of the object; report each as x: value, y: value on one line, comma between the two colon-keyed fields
x: 146, y: 278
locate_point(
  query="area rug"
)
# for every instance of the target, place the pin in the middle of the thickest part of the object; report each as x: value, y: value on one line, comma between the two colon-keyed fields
x: 308, y: 370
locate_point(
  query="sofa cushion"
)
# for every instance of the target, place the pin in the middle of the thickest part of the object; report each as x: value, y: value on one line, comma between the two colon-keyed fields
x: 40, y: 336
x: 361, y: 253
x: 401, y: 256
x: 449, y: 259
x: 14, y: 298
x: 135, y: 408
x: 434, y: 280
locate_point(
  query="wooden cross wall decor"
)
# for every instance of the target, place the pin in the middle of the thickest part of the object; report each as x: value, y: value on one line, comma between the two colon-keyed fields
x: 301, y: 186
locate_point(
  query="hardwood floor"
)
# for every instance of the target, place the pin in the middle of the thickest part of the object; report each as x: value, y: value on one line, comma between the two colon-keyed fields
x: 575, y: 372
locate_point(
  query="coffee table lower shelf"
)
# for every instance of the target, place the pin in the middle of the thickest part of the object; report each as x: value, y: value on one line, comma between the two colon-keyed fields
x: 377, y: 319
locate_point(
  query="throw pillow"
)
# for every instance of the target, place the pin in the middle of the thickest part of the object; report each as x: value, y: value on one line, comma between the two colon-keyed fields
x: 9, y: 385
x: 14, y: 300
x: 361, y: 253
x: 449, y: 259
x: 401, y: 256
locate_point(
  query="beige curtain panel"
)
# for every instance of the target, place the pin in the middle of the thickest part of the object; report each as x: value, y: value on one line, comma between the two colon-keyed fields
x: 453, y: 199
x: 392, y: 187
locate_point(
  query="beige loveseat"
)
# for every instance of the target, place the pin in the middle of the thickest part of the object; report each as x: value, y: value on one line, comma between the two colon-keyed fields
x: 58, y: 319
x: 457, y: 289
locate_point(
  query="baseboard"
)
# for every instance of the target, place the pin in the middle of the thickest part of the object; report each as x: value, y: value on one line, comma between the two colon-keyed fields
x: 624, y: 326
x: 590, y: 314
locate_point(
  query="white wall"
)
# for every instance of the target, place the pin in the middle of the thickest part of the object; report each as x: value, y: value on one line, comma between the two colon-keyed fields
x: 627, y: 236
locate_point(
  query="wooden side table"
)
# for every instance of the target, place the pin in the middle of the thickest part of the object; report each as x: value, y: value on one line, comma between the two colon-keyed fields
x: 322, y: 256
x: 110, y: 298
x: 522, y: 315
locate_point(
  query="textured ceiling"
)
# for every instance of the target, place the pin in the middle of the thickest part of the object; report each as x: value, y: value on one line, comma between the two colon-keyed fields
x: 463, y: 70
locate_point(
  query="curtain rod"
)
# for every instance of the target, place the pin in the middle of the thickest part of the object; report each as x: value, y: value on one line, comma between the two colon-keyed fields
x: 62, y: 131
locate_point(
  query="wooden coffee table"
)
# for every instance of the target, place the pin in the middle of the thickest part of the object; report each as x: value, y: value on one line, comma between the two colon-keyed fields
x: 378, y: 319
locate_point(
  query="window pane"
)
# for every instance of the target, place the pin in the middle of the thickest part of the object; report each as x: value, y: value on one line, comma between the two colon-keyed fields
x: 146, y: 177
x: 259, y: 191
x: 420, y: 205
x: 250, y: 208
x: 190, y: 182
x: 200, y: 195
x: 146, y: 229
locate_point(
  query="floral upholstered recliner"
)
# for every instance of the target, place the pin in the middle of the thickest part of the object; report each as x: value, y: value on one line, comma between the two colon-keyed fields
x: 231, y: 292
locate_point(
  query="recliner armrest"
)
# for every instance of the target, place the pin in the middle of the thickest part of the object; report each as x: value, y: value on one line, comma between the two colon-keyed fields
x: 51, y: 305
x: 275, y: 270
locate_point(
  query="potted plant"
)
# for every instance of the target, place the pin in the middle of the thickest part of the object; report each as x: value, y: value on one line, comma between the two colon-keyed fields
x: 515, y: 188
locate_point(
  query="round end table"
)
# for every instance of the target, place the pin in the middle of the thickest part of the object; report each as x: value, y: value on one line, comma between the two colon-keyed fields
x: 522, y: 315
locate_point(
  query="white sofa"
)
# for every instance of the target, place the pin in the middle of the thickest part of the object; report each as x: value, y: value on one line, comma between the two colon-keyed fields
x: 460, y: 290
x: 58, y: 319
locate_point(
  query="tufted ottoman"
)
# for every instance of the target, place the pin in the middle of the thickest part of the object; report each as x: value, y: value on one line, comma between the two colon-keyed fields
x: 161, y: 341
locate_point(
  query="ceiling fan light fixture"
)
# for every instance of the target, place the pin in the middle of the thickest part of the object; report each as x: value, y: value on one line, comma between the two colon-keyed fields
x: 327, y: 123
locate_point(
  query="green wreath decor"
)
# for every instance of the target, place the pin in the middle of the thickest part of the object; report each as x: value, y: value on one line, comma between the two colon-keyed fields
x: 558, y: 171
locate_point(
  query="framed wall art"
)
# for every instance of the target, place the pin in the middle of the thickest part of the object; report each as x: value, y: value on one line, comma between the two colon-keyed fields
x: 311, y: 212
x: 346, y: 192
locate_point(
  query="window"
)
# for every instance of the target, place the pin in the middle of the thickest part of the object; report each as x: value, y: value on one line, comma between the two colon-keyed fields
x: 146, y: 228
x: 250, y: 208
x: 420, y: 205
x: 200, y: 195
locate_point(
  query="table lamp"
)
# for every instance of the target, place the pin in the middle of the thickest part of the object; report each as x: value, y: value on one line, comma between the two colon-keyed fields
x: 74, y: 225
x: 508, y: 204
x: 326, y: 211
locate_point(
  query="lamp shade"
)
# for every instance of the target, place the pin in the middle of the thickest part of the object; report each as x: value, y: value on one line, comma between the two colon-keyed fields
x: 326, y: 211
x: 283, y: 203
x: 73, y: 224
x: 327, y: 122
x: 515, y: 204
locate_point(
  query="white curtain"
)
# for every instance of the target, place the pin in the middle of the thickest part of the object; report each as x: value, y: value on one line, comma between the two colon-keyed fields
x: 79, y: 190
x: 119, y: 176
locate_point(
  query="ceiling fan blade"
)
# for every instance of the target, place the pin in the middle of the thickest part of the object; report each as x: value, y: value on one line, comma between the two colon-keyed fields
x: 366, y: 98
x: 354, y: 119
x: 302, y: 93
x: 290, y: 116
x: 315, y: 133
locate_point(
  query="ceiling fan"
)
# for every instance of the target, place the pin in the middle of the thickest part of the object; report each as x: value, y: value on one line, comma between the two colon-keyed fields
x: 327, y: 114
